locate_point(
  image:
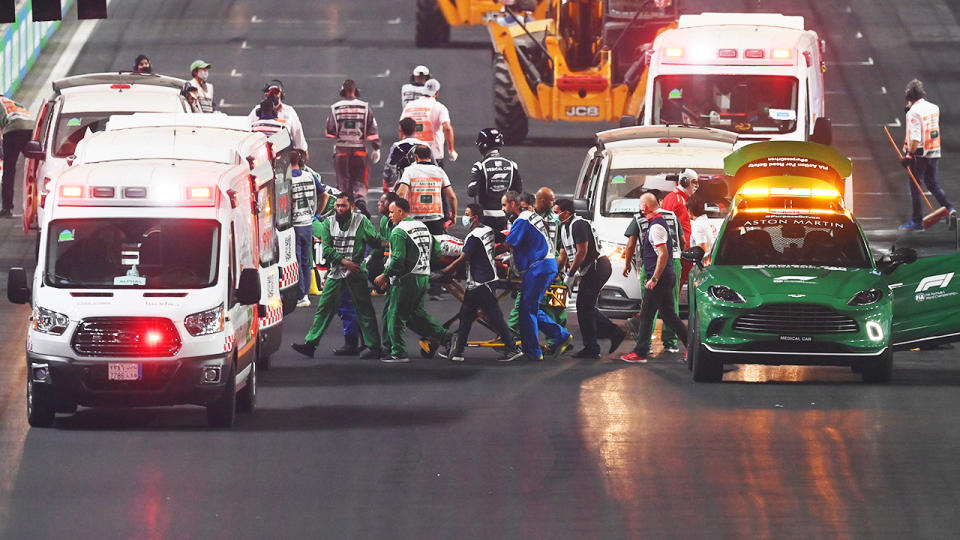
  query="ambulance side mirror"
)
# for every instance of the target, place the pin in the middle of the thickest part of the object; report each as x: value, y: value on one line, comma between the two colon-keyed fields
x: 581, y: 207
x: 822, y: 131
x: 17, y: 290
x: 248, y: 291
x: 34, y: 150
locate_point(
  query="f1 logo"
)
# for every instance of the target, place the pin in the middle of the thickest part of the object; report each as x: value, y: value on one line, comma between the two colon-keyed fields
x: 929, y: 282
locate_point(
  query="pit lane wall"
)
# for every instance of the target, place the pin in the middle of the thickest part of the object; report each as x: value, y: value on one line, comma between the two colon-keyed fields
x: 21, y: 43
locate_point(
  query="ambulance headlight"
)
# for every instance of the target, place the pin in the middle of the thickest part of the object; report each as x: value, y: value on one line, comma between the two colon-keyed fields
x: 205, y: 322
x: 49, y: 322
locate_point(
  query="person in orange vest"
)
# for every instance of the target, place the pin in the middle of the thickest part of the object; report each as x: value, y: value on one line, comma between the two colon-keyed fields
x: 921, y: 149
x: 426, y: 185
x: 16, y: 127
x: 433, y: 122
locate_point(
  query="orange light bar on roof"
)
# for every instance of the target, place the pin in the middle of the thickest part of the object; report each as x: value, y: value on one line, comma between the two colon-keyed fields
x: 755, y: 191
x: 71, y: 191
x: 199, y: 193
x: 780, y: 54
x: 673, y: 52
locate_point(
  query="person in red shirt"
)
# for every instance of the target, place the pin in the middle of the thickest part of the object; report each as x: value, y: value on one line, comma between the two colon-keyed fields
x: 687, y: 182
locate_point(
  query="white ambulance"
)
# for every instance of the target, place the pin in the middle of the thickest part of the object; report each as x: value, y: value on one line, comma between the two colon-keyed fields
x: 145, y: 291
x: 759, y: 75
x: 220, y: 139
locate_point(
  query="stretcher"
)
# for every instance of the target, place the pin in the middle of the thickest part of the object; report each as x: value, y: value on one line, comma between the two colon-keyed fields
x: 507, y: 284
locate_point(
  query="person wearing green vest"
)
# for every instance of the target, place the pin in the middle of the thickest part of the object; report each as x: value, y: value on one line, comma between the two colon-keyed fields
x: 345, y: 237
x: 378, y: 258
x: 408, y: 275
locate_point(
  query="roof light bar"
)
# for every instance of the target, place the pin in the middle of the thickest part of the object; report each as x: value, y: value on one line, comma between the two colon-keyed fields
x: 753, y: 53
x: 673, y: 52
x: 727, y: 53
x: 781, y: 54
x: 71, y: 191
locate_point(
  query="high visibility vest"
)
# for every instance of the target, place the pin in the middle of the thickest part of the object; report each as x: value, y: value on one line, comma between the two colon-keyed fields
x: 205, y: 97
x: 426, y: 191
x: 486, y: 236
x: 304, y: 191
x: 421, y: 236
x: 351, y: 118
x: 420, y: 112
x: 566, y: 238
x: 673, y: 229
x: 928, y: 115
x: 343, y: 242
x: 544, y: 227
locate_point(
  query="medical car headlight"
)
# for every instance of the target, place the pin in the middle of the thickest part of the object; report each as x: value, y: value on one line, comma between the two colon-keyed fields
x: 205, y: 322
x: 866, y: 298
x: 49, y: 322
x: 725, y: 294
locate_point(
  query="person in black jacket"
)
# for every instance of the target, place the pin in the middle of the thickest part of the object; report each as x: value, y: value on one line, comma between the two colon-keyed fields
x: 491, y: 177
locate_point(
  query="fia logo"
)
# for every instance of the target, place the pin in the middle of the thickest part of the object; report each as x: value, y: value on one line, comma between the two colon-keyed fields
x: 583, y: 111
x: 929, y: 282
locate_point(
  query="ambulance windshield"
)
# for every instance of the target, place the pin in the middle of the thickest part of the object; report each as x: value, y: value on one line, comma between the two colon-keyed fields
x: 128, y: 253
x: 746, y: 104
x: 792, y: 239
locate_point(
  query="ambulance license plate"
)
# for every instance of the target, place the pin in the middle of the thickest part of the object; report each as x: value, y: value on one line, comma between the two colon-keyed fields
x: 124, y: 371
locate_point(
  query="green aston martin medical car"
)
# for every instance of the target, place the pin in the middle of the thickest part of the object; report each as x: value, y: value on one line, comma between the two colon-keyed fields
x: 791, y: 279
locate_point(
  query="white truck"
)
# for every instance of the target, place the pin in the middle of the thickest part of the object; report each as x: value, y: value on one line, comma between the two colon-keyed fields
x: 145, y: 291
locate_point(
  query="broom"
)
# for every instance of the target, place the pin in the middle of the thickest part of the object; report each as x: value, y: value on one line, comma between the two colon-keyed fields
x: 935, y: 215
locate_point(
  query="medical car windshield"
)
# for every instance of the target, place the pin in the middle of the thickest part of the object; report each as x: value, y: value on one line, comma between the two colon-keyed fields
x: 623, y: 188
x: 792, y: 239
x: 132, y: 253
x: 757, y: 104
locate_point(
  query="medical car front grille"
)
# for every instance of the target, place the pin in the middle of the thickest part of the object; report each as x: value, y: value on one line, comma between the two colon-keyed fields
x: 126, y: 337
x: 795, y: 319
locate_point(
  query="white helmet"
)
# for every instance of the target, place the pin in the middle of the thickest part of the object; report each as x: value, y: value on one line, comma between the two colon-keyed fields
x: 686, y: 177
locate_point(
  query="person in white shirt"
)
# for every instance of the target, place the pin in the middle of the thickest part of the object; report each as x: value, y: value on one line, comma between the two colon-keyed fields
x: 703, y: 232
x: 286, y: 115
x: 414, y: 89
x: 425, y: 185
x: 433, y: 122
x: 921, y: 149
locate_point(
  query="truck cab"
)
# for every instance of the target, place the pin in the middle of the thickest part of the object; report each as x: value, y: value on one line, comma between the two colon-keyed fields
x: 146, y: 290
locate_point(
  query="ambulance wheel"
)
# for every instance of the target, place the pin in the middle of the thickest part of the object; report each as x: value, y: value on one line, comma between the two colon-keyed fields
x: 247, y: 396
x: 878, y: 371
x: 222, y: 411
x: 432, y: 28
x: 41, y: 409
x: 508, y: 113
x: 263, y: 360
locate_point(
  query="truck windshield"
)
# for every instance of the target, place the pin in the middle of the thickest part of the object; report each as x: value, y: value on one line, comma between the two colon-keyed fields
x: 792, y: 239
x: 130, y: 253
x: 757, y: 104
x: 71, y: 128
x: 623, y: 187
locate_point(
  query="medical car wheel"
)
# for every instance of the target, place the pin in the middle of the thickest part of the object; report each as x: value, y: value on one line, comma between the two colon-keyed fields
x: 880, y: 370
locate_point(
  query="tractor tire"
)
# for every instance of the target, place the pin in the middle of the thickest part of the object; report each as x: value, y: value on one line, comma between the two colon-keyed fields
x: 508, y: 112
x: 432, y: 28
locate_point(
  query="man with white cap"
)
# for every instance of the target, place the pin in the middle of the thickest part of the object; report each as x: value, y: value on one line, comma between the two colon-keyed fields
x: 414, y: 89
x: 433, y: 121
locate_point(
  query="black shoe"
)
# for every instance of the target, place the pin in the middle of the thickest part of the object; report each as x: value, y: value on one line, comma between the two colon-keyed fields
x: 305, y: 349
x: 510, y: 355
x: 6, y: 213
x: 586, y: 353
x: 370, y: 354
x: 394, y: 359
x: 616, y: 340
x: 348, y: 349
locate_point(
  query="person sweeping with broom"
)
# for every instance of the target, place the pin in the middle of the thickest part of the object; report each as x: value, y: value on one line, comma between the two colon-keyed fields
x: 921, y: 157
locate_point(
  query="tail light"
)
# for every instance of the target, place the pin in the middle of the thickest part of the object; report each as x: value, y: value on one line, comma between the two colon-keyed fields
x: 71, y: 191
x: 586, y: 83
x: 673, y: 52
x: 753, y: 53
x: 120, y: 86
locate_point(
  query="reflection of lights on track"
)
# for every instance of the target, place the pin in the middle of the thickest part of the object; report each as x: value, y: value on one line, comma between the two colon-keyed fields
x: 754, y: 373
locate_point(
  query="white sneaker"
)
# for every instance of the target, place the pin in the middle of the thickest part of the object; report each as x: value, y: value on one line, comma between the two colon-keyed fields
x: 304, y: 302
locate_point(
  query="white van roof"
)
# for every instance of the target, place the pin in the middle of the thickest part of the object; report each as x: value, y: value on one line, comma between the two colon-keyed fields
x: 188, y: 143
x: 183, y: 119
x: 692, y: 133
x: 153, y: 182
x: 754, y: 19
x: 104, y: 98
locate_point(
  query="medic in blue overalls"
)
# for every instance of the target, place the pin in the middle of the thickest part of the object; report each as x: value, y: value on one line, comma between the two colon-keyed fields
x: 534, y: 258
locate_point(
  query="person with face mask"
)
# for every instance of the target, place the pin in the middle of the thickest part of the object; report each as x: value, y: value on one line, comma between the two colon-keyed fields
x: 285, y: 114
x: 345, y: 238
x: 477, y: 254
x: 142, y: 64
x: 306, y: 190
x: 200, y: 71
